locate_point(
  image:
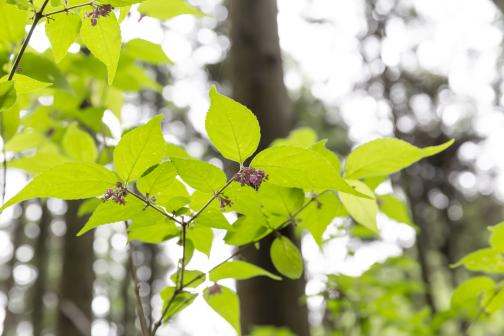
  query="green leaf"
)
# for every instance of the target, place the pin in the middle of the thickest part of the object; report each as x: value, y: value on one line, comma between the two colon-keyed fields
x: 286, y: 258
x: 88, y: 206
x: 497, y: 236
x: 395, y: 209
x: 300, y: 168
x: 13, y: 23
x: 104, y: 41
x: 363, y: 210
x: 179, y: 303
x: 471, y: 291
x: 247, y: 229
x: 79, y: 145
x: 7, y: 95
x: 301, y: 137
x: 139, y: 149
x: 158, y: 181
x: 62, y: 32
x: 239, y: 270
x: 150, y: 226
x: 232, y: 128
x: 202, y: 238
x: 192, y: 277
x: 24, y: 84
x: 200, y: 175
x: 319, y: 214
x: 320, y: 147
x: 26, y: 139
x: 39, y: 162
x: 224, y: 302
x: 386, y: 156
x: 164, y: 10
x: 69, y: 181
x: 111, y: 212
x: 10, y: 122
x: 280, y: 201
x: 485, y: 260
x: 493, y: 304
x: 146, y: 51
x: 213, y: 218
x: 120, y: 3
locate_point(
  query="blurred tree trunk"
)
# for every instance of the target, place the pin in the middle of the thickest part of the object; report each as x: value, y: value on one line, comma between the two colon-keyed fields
x: 9, y: 322
x: 76, y: 286
x: 41, y: 257
x: 257, y: 75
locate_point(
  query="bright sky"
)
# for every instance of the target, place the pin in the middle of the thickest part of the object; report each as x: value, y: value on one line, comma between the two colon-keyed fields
x: 455, y: 38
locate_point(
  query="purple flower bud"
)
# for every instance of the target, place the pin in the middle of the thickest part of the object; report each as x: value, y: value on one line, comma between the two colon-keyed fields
x: 215, y: 289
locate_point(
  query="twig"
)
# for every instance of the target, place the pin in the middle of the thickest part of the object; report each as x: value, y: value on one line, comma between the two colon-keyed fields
x: 158, y: 209
x: 181, y: 286
x: 65, y: 10
x: 140, y: 310
x: 214, y: 196
x: 182, y: 266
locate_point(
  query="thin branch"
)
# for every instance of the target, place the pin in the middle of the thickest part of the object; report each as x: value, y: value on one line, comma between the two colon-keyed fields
x: 158, y: 209
x: 181, y: 286
x: 133, y: 270
x: 65, y: 10
x: 207, y: 204
x: 183, y: 259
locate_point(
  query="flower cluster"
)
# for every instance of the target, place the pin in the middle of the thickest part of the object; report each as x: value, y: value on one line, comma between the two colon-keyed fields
x: 99, y: 10
x: 116, y: 195
x: 251, y: 176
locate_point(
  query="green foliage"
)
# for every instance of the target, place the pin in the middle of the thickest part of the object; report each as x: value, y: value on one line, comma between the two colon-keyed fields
x: 139, y: 149
x: 180, y: 301
x: 146, y: 51
x: 62, y: 33
x: 290, y: 166
x: 386, y: 156
x: 362, y: 210
x: 158, y: 190
x: 286, y: 257
x: 200, y: 175
x: 232, y: 128
x: 7, y: 95
x: 79, y: 145
x: 164, y: 10
x: 104, y: 41
x: 13, y: 23
x: 239, y: 270
x: 395, y: 209
x: 67, y: 181
x: 224, y: 302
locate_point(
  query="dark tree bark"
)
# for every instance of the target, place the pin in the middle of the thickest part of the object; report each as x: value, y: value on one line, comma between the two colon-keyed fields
x: 257, y: 75
x: 76, y: 287
x: 41, y: 252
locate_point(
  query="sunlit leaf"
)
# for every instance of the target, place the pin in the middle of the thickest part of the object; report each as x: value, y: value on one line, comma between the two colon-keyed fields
x: 68, y: 181
x: 224, y: 302
x: 232, y: 128
x: 386, y: 156
x: 286, y: 257
x: 239, y: 270
x: 139, y: 149
x: 62, y: 32
x: 104, y: 41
